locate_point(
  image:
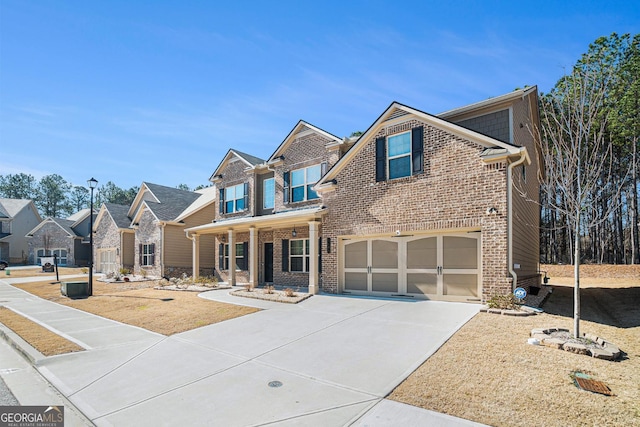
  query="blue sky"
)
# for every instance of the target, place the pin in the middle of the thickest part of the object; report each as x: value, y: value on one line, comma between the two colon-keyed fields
x: 132, y: 91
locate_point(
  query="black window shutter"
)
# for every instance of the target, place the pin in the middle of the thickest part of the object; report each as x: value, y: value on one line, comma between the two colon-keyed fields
x: 152, y: 251
x: 140, y: 254
x: 285, y: 255
x: 246, y: 196
x: 381, y: 159
x: 222, y: 201
x: 285, y: 187
x: 328, y: 245
x: 221, y: 256
x: 320, y: 255
x: 417, y: 145
x: 245, y: 260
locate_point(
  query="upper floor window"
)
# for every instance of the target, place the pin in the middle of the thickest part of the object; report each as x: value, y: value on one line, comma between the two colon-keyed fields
x: 234, y: 198
x: 400, y: 155
x: 302, y: 181
x: 268, y: 193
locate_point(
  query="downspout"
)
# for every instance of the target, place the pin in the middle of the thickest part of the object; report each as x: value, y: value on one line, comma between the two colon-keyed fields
x: 523, y: 157
x: 162, y: 225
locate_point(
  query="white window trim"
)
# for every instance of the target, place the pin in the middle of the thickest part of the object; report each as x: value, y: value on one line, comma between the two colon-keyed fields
x: 147, y: 256
x: 305, y: 256
x: 389, y: 158
x: 226, y: 256
x: 234, y: 199
x: 272, y: 193
x: 306, y: 183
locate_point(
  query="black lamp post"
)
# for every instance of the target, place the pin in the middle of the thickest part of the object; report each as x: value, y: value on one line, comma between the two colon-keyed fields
x: 93, y: 183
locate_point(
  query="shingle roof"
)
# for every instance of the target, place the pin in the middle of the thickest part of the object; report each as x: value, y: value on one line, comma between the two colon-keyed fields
x: 119, y: 214
x: 10, y: 207
x: 82, y: 213
x: 249, y: 158
x: 66, y: 224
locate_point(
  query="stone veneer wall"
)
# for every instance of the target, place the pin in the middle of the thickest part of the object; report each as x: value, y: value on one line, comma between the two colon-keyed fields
x: 148, y: 232
x: 58, y: 239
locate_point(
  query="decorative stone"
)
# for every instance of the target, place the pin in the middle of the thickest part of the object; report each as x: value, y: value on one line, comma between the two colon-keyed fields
x: 612, y: 349
x: 553, y: 342
x: 601, y: 354
x: 537, y: 331
x: 577, y: 348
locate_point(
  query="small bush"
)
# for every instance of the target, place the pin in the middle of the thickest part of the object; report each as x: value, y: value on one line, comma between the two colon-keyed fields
x: 503, y: 302
x: 143, y: 272
x: 125, y: 271
x: 268, y: 289
x: 289, y: 292
x: 84, y: 270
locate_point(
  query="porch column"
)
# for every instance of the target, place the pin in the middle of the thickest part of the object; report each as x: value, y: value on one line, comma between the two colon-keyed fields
x: 253, y: 256
x: 232, y: 258
x: 195, y: 239
x: 313, y: 258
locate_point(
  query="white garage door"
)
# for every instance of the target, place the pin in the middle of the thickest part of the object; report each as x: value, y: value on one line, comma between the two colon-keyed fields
x: 107, y: 261
x: 436, y: 266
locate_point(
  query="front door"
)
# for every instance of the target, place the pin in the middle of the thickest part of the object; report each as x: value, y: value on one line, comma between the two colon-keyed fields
x: 268, y: 262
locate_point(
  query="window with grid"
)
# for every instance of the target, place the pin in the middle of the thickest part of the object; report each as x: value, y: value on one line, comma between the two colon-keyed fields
x: 299, y: 255
x: 302, y: 181
x: 234, y: 198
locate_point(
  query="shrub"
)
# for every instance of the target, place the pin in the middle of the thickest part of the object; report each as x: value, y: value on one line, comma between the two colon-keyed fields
x: 125, y: 271
x: 84, y: 270
x: 268, y: 289
x: 289, y: 293
x: 503, y: 302
x: 143, y: 272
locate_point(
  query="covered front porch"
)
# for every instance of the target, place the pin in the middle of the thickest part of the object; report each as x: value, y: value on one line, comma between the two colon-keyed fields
x: 261, y: 234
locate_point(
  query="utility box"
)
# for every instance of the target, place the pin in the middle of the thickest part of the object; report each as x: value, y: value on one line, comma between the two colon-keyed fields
x: 74, y: 289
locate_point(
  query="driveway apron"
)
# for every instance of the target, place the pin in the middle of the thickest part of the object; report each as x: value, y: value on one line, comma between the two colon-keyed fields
x: 325, y: 361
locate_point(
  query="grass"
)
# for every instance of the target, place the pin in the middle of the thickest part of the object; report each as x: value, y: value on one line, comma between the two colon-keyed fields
x: 134, y: 303
x: 489, y: 374
x: 40, y: 338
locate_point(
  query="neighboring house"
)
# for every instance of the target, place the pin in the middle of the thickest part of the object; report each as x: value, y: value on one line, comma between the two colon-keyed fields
x: 440, y: 207
x: 159, y: 216
x: 66, y: 238
x: 268, y: 212
x: 17, y: 217
x: 114, y: 239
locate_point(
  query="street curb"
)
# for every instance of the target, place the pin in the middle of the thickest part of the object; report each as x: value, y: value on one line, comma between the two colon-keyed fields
x: 32, y: 355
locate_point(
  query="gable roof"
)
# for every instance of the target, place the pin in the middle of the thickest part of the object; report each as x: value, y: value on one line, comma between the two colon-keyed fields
x: 64, y: 224
x: 396, y: 110
x: 117, y: 213
x: 9, y: 208
x: 207, y: 196
x: 247, y: 159
x: 80, y: 215
x: 301, y: 126
x: 488, y: 103
x: 175, y: 197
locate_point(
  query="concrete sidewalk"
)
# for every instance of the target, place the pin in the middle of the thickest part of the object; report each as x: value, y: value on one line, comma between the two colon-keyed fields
x: 329, y: 360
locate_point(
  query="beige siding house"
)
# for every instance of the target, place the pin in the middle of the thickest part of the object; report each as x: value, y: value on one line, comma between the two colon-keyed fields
x: 420, y: 206
x: 159, y: 216
x: 17, y: 218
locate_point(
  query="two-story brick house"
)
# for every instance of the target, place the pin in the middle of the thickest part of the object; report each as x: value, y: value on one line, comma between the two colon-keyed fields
x: 420, y: 205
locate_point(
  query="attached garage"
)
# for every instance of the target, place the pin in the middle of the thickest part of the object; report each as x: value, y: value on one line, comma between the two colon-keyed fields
x: 107, y: 261
x: 440, y: 266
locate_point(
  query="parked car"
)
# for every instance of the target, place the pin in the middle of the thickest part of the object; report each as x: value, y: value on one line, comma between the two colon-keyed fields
x: 3, y: 264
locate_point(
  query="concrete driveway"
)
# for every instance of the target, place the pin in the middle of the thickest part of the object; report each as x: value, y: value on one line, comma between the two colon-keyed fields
x: 326, y: 361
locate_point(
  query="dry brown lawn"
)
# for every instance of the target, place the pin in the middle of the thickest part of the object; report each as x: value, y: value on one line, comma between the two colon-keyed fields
x: 488, y: 373
x: 42, y: 339
x: 133, y: 303
x: 37, y: 271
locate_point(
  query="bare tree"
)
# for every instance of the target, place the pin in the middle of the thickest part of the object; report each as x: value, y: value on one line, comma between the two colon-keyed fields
x: 579, y: 157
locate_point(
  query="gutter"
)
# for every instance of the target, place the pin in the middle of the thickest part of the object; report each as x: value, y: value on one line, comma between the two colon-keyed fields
x: 521, y: 160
